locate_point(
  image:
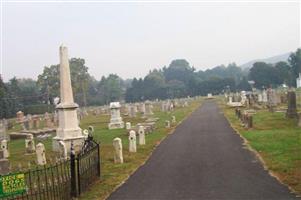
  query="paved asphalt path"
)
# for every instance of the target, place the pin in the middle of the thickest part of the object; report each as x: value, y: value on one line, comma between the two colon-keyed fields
x: 203, y: 159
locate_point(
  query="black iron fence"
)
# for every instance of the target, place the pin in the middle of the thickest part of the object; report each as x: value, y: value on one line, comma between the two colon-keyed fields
x: 62, y: 180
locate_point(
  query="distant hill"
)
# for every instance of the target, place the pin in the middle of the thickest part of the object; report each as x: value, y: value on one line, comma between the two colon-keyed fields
x: 272, y: 60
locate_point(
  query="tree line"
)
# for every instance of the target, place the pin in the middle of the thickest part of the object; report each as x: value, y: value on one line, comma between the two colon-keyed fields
x: 178, y: 79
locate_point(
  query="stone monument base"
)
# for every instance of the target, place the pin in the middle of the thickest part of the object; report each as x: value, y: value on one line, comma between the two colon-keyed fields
x: 116, y: 125
x: 77, y: 143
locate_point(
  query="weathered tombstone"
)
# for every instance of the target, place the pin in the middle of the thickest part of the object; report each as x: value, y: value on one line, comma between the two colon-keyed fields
x: 115, y: 121
x: 264, y: 96
x: 4, y: 148
x: 132, y: 141
x: 20, y: 116
x: 47, y: 119
x: 118, y: 156
x: 4, y: 164
x: 141, y: 135
x: 29, y: 144
x: 128, y: 125
x: 91, y: 130
x: 36, y: 121
x: 292, y: 106
x: 30, y: 122
x: 167, y: 124
x: 132, y: 111
x: 173, y: 119
x: 271, y: 99
x: 40, y: 151
x: 3, y: 134
x: 63, y: 150
x: 142, y: 108
x: 148, y: 108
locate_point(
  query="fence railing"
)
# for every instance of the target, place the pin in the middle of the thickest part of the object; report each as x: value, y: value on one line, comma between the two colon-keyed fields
x: 62, y: 180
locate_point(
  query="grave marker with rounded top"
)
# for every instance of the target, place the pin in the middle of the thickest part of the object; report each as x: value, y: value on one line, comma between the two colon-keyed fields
x: 118, y: 156
x: 132, y: 141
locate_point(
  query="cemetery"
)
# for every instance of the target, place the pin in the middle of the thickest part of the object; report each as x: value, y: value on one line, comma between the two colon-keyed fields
x: 272, y: 131
x: 150, y: 100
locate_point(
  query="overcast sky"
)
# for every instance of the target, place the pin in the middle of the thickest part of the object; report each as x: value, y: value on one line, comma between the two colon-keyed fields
x: 129, y: 39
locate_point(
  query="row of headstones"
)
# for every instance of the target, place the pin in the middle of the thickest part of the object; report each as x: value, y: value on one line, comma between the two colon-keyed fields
x: 30, y: 122
x: 117, y: 142
x: 39, y: 149
x: 245, y: 118
x: 31, y: 148
x: 268, y: 97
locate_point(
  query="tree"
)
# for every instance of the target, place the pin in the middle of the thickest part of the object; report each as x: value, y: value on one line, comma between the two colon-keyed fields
x: 295, y: 62
x: 285, y: 73
x: 264, y: 75
x: 49, y: 82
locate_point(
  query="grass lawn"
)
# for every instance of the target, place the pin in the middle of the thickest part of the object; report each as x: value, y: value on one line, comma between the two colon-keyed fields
x: 112, y: 174
x: 277, y: 140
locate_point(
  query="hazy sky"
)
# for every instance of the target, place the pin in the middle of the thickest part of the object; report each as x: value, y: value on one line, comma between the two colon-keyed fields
x: 129, y: 39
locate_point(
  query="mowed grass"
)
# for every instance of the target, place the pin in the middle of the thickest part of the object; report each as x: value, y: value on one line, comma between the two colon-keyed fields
x: 112, y: 175
x: 277, y: 140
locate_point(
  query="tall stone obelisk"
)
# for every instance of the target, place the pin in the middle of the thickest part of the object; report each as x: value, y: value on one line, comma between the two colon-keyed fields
x: 68, y: 129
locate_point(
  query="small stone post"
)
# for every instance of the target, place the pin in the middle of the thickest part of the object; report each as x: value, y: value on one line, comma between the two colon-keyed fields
x: 132, y: 141
x: 29, y: 144
x: 141, y: 134
x: 4, y: 148
x: 40, y: 151
x: 118, y: 156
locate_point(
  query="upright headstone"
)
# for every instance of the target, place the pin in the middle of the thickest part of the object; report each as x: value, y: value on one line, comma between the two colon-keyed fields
x: 292, y: 106
x: 41, y: 154
x: 116, y: 120
x: 132, y: 141
x: 141, y: 134
x: 118, y: 156
x: 20, y: 116
x: 173, y: 119
x: 148, y: 108
x: 4, y: 148
x: 29, y: 144
x: 36, y: 121
x: 128, y: 125
x: 63, y: 150
x: 264, y: 96
x: 30, y: 122
x: 3, y: 134
x: 68, y: 130
x: 167, y: 124
x: 47, y: 120
x: 4, y: 164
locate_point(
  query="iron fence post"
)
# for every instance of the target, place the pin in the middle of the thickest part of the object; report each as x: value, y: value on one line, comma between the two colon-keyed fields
x: 73, y: 172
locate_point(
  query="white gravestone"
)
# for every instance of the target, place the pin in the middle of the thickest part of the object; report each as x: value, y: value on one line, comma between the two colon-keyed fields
x: 40, y: 151
x: 63, y: 150
x: 128, y: 125
x: 132, y: 141
x: 115, y: 121
x: 141, y: 134
x: 118, y: 156
x: 4, y: 148
x: 167, y: 124
x: 173, y: 119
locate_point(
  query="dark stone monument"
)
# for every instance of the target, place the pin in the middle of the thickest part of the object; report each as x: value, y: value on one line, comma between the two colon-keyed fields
x: 291, y: 107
